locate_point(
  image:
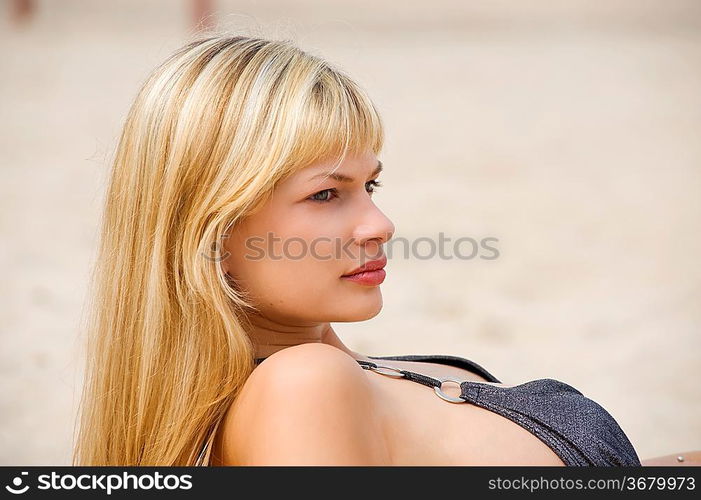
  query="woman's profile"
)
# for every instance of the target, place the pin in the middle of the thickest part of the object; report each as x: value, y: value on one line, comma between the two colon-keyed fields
x: 238, y: 225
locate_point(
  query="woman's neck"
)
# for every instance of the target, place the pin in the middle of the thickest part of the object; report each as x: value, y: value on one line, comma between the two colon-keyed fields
x: 269, y: 337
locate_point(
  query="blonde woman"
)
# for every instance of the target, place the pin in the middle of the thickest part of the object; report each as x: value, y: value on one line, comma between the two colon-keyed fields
x: 238, y: 225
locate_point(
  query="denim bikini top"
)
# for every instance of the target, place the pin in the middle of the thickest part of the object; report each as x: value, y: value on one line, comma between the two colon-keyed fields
x: 579, y: 430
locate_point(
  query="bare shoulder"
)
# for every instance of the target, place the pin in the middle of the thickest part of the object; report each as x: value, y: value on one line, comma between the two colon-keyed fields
x: 301, y: 355
x: 309, y: 404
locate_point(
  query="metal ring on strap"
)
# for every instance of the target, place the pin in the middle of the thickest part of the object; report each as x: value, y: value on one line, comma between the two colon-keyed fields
x: 443, y: 395
x: 391, y: 371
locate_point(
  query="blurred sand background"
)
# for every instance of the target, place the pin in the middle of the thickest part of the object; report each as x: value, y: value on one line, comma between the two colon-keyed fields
x: 567, y: 130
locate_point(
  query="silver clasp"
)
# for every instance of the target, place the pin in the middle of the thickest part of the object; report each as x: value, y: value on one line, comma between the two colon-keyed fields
x: 443, y: 395
x: 392, y: 372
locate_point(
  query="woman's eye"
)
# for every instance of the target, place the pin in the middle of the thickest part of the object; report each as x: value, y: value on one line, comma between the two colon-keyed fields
x: 329, y: 194
x: 321, y: 195
x: 373, y: 185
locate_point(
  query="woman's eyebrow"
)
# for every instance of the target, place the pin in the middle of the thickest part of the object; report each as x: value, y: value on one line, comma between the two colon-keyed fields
x: 345, y: 178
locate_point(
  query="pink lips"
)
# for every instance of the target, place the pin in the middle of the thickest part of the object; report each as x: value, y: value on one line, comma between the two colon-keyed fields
x: 372, y: 273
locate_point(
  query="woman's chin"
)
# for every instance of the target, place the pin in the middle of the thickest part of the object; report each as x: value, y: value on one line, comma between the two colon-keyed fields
x: 361, y: 306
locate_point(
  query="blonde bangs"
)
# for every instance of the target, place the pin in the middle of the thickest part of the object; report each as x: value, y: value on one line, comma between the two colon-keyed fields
x: 339, y: 119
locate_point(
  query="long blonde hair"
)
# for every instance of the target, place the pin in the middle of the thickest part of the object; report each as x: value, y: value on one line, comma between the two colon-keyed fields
x: 210, y: 133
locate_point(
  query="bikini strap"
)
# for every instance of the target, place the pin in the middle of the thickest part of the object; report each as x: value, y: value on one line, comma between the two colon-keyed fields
x: 437, y: 384
x: 390, y: 371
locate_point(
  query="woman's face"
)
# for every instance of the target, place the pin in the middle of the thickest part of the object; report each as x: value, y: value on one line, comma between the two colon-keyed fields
x: 291, y: 254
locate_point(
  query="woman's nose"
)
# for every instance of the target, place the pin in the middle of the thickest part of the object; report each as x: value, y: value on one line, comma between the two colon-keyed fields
x: 380, y: 229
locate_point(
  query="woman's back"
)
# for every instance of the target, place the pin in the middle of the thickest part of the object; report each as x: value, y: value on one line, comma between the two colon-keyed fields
x: 402, y: 423
x: 310, y: 404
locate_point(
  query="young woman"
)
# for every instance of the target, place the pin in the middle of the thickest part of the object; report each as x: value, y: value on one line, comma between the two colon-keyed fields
x: 238, y: 225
